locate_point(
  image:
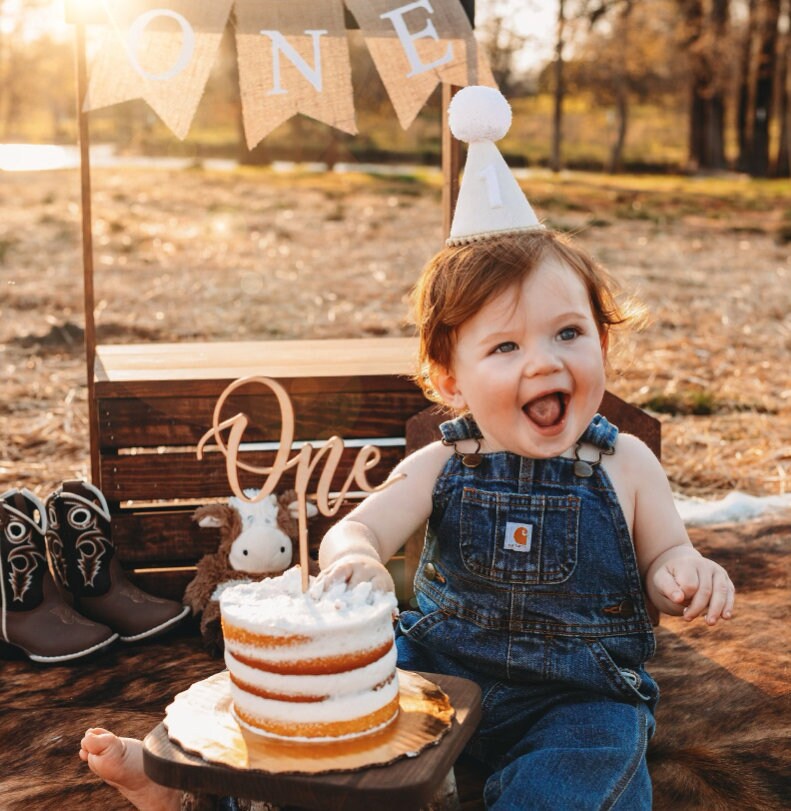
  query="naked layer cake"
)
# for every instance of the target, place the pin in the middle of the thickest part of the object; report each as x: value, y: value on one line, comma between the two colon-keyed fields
x: 310, y: 666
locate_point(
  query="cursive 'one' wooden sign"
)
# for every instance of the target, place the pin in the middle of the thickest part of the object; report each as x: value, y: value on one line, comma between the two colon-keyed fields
x: 304, y: 460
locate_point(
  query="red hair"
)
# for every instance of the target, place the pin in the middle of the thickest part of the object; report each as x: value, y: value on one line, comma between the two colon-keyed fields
x: 458, y: 281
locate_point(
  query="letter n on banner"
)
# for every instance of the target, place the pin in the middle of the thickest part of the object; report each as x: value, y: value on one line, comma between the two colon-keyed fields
x: 293, y: 58
x: 416, y: 44
x: 161, y: 51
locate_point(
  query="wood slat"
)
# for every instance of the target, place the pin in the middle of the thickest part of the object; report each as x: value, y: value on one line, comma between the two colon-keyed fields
x: 149, y: 477
x: 149, y: 537
x: 157, y: 537
x: 143, y: 370
x: 168, y: 583
x: 632, y: 420
x: 172, y: 421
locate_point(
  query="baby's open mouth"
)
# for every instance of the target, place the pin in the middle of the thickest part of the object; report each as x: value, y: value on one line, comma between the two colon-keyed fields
x: 547, y: 410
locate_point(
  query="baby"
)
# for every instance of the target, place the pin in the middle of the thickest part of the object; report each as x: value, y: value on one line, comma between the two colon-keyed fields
x: 546, y: 526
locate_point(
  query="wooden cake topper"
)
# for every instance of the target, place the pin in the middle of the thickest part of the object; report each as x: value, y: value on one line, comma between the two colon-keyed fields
x: 304, y: 461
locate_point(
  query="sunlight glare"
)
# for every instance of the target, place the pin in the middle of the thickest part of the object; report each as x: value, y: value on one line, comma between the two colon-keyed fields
x: 35, y: 157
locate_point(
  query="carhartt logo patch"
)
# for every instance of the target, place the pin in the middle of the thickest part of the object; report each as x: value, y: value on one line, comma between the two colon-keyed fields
x: 518, y: 537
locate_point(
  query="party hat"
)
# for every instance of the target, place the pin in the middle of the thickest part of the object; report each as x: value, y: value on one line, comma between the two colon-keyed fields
x: 490, y: 202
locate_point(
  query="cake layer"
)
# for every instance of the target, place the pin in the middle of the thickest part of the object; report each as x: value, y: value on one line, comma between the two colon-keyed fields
x: 331, y: 710
x: 318, y: 731
x: 313, y: 665
x: 316, y: 686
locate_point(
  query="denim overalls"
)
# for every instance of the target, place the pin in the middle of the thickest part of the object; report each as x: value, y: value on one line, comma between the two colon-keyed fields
x: 528, y: 584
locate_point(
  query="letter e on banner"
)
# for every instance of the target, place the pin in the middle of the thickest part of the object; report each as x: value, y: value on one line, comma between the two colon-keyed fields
x: 396, y: 16
x: 433, y: 43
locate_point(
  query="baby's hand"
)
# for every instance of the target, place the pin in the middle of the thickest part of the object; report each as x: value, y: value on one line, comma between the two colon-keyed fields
x: 682, y: 581
x: 353, y: 569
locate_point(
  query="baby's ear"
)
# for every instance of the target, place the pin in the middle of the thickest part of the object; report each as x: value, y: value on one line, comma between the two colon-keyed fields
x: 445, y: 385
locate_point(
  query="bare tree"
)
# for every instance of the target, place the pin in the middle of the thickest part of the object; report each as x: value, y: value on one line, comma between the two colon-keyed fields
x: 503, y: 44
x: 764, y: 86
x: 782, y: 166
x: 757, y: 95
x: 705, y: 41
x: 621, y: 86
x: 559, y: 91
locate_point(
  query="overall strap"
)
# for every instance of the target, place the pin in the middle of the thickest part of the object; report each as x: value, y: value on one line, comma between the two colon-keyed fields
x: 458, y: 429
x: 601, y: 433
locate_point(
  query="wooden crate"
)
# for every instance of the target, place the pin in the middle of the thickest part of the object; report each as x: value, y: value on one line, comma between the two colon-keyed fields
x: 155, y: 401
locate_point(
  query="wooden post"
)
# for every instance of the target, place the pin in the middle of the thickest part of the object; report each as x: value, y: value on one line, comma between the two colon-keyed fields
x: 87, y: 241
x: 451, y: 163
x: 451, y: 148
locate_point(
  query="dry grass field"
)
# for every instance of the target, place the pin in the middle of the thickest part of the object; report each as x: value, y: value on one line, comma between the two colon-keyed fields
x: 199, y: 255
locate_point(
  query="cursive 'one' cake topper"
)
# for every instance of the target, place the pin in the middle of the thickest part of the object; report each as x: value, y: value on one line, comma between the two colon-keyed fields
x: 304, y: 461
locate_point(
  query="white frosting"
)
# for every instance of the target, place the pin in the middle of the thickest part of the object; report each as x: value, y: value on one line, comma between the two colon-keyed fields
x: 333, y: 684
x: 277, y: 605
x: 334, y: 623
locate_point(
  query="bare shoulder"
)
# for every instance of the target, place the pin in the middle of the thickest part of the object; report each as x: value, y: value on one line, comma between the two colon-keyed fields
x: 394, y: 512
x: 632, y: 450
x: 426, y: 462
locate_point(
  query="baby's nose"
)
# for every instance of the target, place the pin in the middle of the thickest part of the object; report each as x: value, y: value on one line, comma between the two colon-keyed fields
x: 541, y: 361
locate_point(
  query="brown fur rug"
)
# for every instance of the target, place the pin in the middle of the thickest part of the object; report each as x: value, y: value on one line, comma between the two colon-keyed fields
x: 724, y: 719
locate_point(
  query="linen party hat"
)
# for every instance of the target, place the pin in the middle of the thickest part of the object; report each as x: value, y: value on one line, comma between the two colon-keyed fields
x: 490, y: 202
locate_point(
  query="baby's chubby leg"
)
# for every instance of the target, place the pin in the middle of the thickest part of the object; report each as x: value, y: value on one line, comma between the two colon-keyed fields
x: 119, y: 762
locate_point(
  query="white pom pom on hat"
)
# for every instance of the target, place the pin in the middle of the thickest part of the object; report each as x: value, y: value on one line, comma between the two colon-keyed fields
x: 479, y: 113
x: 490, y: 202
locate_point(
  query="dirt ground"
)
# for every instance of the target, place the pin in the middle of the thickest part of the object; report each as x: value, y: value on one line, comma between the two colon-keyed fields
x: 197, y: 255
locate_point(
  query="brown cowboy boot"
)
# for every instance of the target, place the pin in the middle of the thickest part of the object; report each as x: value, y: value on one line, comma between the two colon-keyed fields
x: 34, y: 616
x: 88, y: 570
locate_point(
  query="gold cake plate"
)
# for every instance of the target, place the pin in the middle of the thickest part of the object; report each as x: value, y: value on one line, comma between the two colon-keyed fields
x: 201, y: 721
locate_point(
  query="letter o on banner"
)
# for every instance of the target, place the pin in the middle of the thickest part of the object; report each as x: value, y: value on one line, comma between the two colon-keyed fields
x: 135, y: 35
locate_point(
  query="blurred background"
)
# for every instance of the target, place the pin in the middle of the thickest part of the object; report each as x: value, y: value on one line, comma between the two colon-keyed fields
x: 618, y: 85
x: 656, y: 132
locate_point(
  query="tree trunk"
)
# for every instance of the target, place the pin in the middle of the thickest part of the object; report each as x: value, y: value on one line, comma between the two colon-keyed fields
x: 766, y: 56
x: 706, y: 91
x: 715, y: 107
x: 621, y: 91
x: 557, y: 118
x: 746, y: 86
x: 783, y: 162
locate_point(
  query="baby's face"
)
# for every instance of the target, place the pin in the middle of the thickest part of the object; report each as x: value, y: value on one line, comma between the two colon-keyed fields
x: 529, y: 365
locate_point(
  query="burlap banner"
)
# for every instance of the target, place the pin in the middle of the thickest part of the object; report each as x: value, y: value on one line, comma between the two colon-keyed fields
x: 160, y: 52
x: 416, y: 45
x: 293, y: 57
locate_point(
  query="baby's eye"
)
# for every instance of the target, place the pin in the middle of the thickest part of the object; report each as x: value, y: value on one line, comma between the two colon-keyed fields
x: 568, y: 333
x: 505, y: 346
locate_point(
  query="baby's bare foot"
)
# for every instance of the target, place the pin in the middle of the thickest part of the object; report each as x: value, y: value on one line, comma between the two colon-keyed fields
x: 119, y: 762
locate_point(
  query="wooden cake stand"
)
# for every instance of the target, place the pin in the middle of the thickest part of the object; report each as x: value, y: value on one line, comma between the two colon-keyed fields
x: 407, y: 784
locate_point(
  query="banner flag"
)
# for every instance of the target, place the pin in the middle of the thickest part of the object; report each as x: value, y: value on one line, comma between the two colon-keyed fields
x: 418, y: 44
x: 293, y: 58
x: 161, y: 54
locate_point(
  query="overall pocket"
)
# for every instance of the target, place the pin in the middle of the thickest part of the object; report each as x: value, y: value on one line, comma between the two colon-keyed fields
x: 623, y: 680
x: 519, y: 538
